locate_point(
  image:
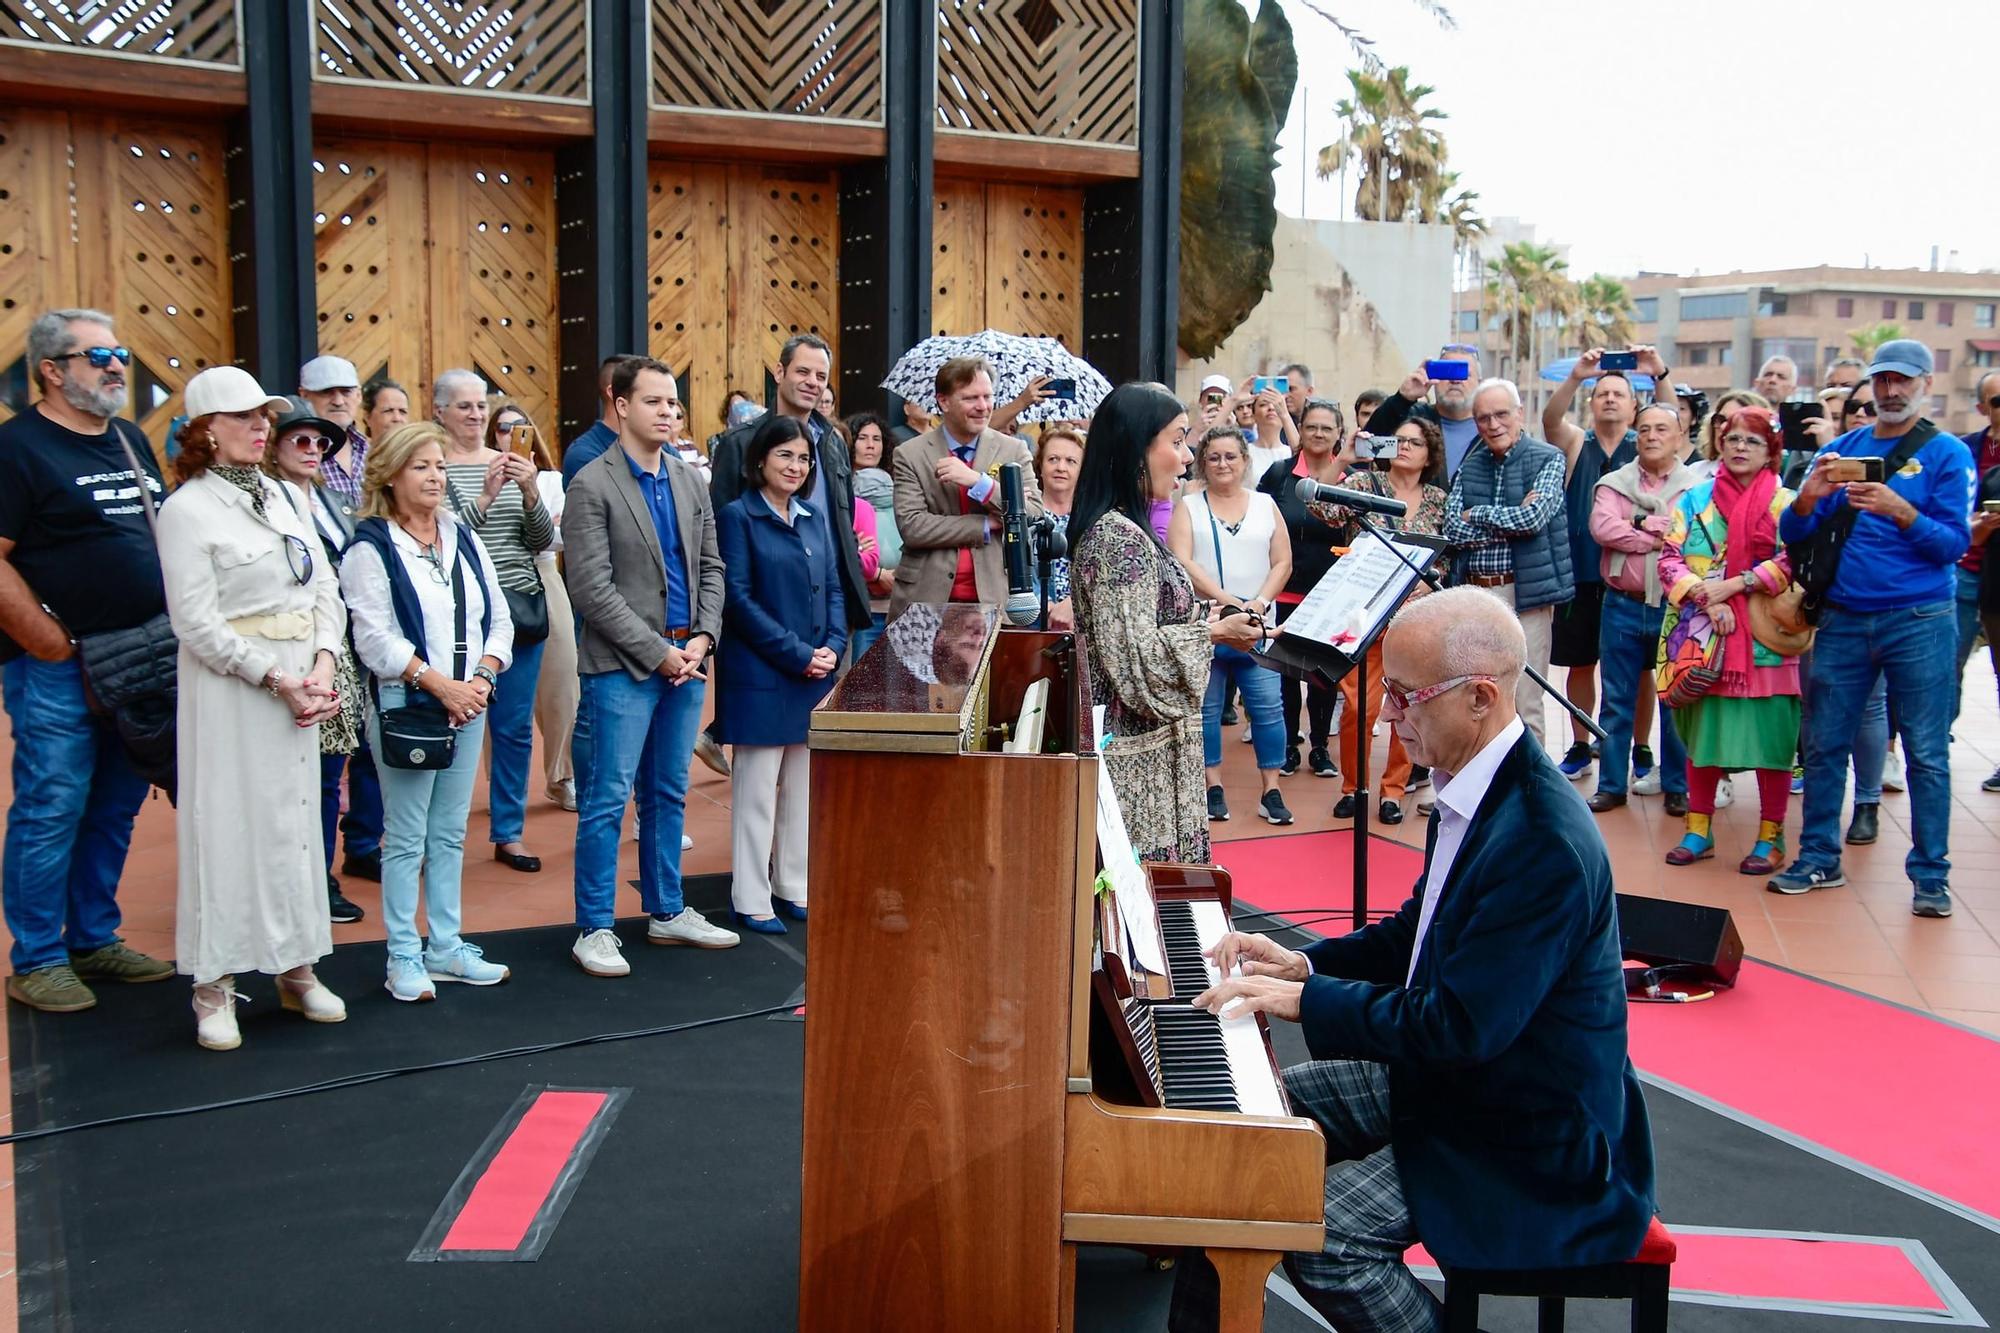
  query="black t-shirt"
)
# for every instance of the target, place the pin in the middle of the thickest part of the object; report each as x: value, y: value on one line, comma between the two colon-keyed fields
x: 69, y: 505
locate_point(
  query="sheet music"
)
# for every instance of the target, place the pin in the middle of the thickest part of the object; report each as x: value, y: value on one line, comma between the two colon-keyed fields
x: 1121, y: 863
x: 1347, y: 607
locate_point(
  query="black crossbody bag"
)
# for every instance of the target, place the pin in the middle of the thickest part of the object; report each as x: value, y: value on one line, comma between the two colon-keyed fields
x: 1816, y: 560
x: 420, y: 734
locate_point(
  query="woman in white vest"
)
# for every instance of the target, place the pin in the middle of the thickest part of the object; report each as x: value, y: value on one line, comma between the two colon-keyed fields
x: 1236, y: 549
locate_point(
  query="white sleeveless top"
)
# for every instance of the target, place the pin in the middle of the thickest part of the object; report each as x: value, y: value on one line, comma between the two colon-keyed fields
x: 1241, y: 560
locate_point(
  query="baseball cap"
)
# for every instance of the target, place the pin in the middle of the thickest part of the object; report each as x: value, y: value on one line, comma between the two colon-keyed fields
x: 1216, y: 382
x: 229, y: 389
x: 299, y: 412
x: 328, y: 372
x: 1902, y: 356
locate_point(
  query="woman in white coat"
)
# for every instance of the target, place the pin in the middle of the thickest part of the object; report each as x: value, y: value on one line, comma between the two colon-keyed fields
x: 260, y: 621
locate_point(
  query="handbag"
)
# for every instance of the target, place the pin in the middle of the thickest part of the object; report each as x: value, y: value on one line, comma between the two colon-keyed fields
x: 1690, y: 657
x: 420, y: 735
x: 1816, y: 560
x: 1780, y: 623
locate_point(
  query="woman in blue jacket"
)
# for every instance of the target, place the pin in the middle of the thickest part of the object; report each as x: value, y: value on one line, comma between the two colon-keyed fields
x: 784, y: 630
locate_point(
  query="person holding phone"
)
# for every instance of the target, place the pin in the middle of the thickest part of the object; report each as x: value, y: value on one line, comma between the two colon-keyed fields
x: 785, y: 627
x: 1449, y: 405
x: 1889, y: 610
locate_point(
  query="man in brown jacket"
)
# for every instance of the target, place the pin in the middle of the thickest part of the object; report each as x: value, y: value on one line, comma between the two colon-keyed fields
x: 948, y: 495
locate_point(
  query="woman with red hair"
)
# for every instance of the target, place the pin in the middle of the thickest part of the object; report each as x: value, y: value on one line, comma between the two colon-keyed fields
x: 1722, y: 550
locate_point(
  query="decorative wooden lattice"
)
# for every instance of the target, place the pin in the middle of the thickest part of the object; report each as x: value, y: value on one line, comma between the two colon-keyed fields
x: 740, y: 258
x: 204, y: 31
x: 1051, y: 69
x: 124, y: 216
x: 785, y: 57
x: 523, y: 48
x: 1008, y: 257
x: 436, y: 257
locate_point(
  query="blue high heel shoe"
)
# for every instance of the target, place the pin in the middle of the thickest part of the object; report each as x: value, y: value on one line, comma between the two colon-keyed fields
x: 772, y: 926
x: 786, y: 907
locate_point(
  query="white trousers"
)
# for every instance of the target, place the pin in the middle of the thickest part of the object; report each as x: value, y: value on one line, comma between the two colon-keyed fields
x: 770, y: 795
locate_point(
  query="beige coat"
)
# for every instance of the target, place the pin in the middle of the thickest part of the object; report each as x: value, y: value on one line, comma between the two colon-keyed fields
x: 933, y: 530
x: 252, y: 866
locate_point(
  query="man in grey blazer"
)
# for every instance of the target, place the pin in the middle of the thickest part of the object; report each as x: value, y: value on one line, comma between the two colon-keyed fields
x: 646, y: 581
x: 948, y: 495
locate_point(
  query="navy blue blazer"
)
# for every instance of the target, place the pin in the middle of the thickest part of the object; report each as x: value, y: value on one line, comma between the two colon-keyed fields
x: 1520, y: 1134
x: 783, y: 598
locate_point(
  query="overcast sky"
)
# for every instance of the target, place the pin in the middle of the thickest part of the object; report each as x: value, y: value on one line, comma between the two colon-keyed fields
x: 1825, y: 102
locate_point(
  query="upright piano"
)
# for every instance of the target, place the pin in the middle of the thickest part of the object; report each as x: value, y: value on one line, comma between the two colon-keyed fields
x: 960, y: 1137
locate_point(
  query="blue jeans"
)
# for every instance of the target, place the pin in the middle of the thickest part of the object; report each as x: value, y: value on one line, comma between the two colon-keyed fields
x: 423, y: 834
x: 362, y: 824
x: 1262, y: 700
x: 641, y: 740
x: 1628, y: 639
x: 1871, y: 745
x: 75, y: 798
x: 1968, y: 628
x: 866, y: 636
x: 1914, y: 649
x: 510, y: 725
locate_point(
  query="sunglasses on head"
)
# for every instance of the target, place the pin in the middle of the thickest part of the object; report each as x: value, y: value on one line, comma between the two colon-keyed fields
x: 100, y: 357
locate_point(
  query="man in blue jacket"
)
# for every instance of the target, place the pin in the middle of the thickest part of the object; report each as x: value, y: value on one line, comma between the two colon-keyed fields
x: 1469, y: 1058
x: 1889, y: 612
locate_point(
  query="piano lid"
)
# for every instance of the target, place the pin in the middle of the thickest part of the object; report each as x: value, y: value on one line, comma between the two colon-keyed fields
x: 921, y: 676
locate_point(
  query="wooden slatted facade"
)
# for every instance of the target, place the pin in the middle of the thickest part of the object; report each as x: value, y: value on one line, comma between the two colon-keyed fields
x: 1007, y: 257
x: 526, y: 48
x: 820, y: 59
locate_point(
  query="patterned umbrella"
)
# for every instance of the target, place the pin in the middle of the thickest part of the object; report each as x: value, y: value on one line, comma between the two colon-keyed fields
x: 1017, y: 360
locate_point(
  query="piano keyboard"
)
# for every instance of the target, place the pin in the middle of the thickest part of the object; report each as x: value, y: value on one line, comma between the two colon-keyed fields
x: 1204, y: 1061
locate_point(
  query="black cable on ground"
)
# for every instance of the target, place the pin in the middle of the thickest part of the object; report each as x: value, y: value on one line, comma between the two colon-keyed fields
x: 377, y: 1076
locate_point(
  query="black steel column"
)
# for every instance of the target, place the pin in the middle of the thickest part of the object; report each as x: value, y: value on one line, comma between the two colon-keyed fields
x: 269, y: 169
x: 1132, y: 229
x: 601, y: 214
x: 885, y: 219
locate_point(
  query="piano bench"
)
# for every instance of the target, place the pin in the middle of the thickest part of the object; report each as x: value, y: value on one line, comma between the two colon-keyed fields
x: 1643, y: 1280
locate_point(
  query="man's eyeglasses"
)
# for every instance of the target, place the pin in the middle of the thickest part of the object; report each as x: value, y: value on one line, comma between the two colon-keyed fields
x: 300, y: 557
x: 1405, y: 700
x: 99, y: 357
x: 1993, y: 403
x: 1213, y: 398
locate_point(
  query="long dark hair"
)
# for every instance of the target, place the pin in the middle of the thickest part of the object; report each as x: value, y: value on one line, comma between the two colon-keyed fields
x: 1113, y: 477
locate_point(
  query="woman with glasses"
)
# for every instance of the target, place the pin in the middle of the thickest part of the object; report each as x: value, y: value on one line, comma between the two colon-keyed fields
x: 1233, y: 544
x: 1722, y: 549
x: 260, y: 623
x: 492, y: 484
x: 1416, y: 477
x: 414, y: 574
x: 557, y: 690
x: 1322, y: 433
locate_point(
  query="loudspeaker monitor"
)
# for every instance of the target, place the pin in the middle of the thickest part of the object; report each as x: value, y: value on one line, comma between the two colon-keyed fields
x: 1657, y: 932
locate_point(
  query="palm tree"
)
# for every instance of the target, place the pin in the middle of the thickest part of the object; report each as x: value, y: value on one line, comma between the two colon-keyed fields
x: 1606, y: 313
x: 1533, y: 296
x: 1401, y: 155
x: 1867, y: 340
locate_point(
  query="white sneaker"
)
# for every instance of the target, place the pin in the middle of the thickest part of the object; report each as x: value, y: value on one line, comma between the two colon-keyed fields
x: 690, y: 927
x: 407, y: 980
x: 215, y: 1015
x: 1648, y: 785
x: 466, y: 963
x: 1891, y: 780
x: 599, y: 953
x: 1246, y: 737
x: 687, y: 843
x: 1725, y: 794
x: 563, y: 795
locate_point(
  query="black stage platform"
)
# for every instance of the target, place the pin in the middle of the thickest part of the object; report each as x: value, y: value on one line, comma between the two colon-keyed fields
x: 301, y: 1214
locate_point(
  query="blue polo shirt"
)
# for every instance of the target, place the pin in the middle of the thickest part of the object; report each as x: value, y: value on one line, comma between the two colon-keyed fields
x: 584, y: 448
x: 658, y: 491
x: 1884, y: 567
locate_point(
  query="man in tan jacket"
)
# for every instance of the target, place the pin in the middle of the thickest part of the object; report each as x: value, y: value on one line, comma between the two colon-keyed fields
x: 948, y: 495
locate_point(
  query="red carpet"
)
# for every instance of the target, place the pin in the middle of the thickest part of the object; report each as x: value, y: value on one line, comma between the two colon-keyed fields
x: 1308, y: 878
x: 1893, y: 1089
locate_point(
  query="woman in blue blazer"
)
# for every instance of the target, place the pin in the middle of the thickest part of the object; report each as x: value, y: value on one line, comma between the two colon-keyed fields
x: 784, y: 629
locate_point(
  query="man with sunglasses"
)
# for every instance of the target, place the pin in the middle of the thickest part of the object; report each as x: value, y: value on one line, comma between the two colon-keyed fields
x: 76, y: 558
x: 1469, y: 1059
x: 1978, y: 577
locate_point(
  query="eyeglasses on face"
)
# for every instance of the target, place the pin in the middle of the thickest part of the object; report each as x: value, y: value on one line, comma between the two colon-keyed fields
x: 1213, y: 397
x: 99, y: 357
x: 300, y: 557
x: 1993, y: 403
x: 507, y: 427
x: 1404, y: 700
x: 1737, y: 439
x: 1868, y: 409
x: 1321, y: 430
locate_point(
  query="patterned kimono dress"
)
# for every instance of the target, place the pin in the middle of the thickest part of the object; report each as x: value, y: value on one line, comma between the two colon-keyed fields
x: 1149, y: 655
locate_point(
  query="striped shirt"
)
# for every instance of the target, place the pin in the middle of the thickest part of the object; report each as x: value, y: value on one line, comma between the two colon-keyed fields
x: 511, y: 532
x: 1482, y: 527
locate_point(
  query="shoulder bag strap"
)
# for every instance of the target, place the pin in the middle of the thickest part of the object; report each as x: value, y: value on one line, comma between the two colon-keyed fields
x: 139, y: 478
x: 458, y: 651
x: 1215, y: 538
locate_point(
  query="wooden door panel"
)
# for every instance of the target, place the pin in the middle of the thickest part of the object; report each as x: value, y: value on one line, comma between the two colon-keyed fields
x: 687, y: 284
x: 958, y: 258
x: 369, y: 224
x: 37, y: 254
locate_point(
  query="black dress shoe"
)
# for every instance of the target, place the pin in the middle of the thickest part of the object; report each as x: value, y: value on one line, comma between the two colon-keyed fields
x: 1344, y: 807
x: 367, y: 867
x: 342, y: 912
x: 1601, y: 801
x: 1866, y: 825
x: 1391, y: 812
x: 1676, y: 804
x: 527, y: 865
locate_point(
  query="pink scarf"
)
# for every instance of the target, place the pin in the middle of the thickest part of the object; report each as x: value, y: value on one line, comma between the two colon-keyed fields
x: 1750, y: 539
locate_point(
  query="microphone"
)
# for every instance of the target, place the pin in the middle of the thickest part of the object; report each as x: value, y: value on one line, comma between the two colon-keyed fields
x: 1309, y: 490
x: 1023, y: 606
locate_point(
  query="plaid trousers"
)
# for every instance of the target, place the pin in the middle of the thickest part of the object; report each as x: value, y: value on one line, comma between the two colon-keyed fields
x: 1358, y: 1279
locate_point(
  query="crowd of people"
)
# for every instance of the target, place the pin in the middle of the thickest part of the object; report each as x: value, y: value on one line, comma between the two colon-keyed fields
x: 353, y: 606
